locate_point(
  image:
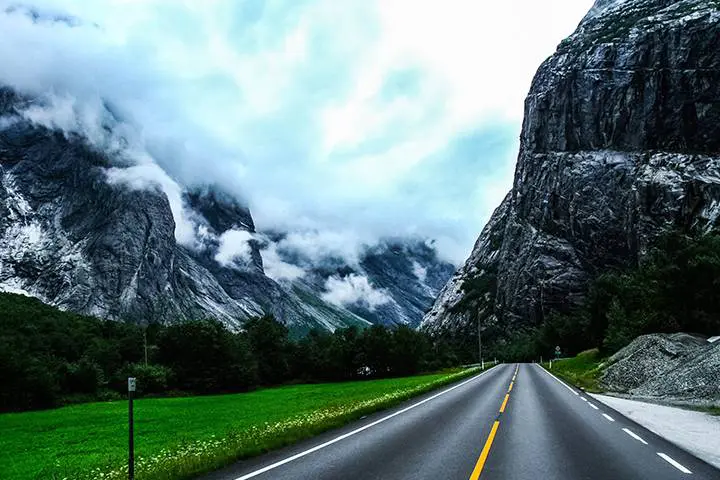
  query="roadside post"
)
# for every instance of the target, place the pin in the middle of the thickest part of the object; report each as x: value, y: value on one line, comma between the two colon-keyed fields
x: 131, y: 439
x: 557, y: 352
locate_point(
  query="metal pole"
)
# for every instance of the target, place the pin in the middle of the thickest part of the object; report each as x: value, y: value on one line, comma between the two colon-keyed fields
x: 131, y: 432
x: 145, y: 343
x: 480, y: 344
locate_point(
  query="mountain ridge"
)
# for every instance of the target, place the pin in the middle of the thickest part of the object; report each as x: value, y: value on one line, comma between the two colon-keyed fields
x: 619, y: 144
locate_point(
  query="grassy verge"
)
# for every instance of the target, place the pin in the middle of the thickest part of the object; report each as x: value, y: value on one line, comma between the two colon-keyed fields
x: 582, y: 371
x: 178, y: 438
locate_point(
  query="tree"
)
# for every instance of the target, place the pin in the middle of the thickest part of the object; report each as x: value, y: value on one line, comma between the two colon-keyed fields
x: 269, y: 343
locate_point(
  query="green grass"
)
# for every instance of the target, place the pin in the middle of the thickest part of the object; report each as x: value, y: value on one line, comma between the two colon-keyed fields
x: 710, y: 410
x: 180, y: 437
x: 582, y: 371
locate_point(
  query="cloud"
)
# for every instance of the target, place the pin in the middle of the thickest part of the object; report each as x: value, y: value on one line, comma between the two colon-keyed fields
x: 362, y: 119
x: 354, y: 290
x: 312, y: 246
x: 276, y: 268
x: 419, y: 271
x: 234, y: 248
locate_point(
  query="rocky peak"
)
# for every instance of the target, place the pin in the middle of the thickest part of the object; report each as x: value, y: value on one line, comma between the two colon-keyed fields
x: 620, y: 141
x: 222, y: 211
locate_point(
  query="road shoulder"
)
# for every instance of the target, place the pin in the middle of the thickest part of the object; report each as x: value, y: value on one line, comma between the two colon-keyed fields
x: 695, y: 432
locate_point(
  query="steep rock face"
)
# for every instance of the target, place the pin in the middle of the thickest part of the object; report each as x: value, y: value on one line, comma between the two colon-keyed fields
x: 621, y: 140
x: 87, y: 230
x: 75, y: 240
x: 393, y: 282
x: 76, y: 237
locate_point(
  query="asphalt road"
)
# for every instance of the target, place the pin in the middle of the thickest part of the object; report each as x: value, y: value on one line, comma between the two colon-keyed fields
x: 538, y: 428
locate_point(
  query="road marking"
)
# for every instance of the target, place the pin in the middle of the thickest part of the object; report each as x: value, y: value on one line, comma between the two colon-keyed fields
x: 561, y: 382
x: 356, y: 431
x: 511, y: 385
x: 504, y: 404
x: 634, y: 435
x: 593, y: 406
x: 673, y: 463
x: 485, y: 452
x: 608, y: 417
x: 583, y: 399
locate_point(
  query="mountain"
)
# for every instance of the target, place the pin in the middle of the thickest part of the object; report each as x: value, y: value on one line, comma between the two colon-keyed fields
x: 620, y: 142
x: 393, y: 282
x: 87, y: 227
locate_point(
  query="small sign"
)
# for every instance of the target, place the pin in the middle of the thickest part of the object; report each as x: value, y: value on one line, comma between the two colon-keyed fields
x: 557, y: 349
x: 131, y: 384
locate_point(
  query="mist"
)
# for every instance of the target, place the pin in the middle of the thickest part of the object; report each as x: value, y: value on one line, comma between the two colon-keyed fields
x: 340, y: 122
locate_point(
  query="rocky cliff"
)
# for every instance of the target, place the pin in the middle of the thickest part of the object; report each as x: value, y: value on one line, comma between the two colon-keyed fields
x: 620, y: 141
x: 90, y: 226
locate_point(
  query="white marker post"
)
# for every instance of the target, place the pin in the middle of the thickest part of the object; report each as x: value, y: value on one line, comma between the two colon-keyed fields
x: 131, y: 439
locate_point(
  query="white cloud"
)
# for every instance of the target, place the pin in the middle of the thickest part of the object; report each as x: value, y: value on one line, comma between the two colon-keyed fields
x: 325, y: 115
x: 276, y: 268
x: 312, y: 246
x: 419, y: 271
x: 234, y: 248
x: 354, y: 290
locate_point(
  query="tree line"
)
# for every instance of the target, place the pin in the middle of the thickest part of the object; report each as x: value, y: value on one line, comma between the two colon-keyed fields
x: 49, y: 357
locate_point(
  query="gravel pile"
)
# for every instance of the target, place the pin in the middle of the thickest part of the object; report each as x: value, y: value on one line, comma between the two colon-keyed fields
x: 670, y: 367
x: 697, y: 379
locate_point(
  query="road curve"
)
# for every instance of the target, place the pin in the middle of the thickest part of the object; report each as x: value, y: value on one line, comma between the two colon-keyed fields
x: 511, y: 422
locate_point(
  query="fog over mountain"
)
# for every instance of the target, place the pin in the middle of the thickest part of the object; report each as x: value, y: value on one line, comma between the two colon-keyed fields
x: 340, y: 122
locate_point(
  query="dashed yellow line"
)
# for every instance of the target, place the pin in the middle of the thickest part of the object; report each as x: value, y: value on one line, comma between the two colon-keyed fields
x: 488, y: 443
x: 485, y: 452
x: 504, y: 404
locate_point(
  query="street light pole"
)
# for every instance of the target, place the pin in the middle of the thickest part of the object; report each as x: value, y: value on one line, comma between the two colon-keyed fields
x: 482, y: 364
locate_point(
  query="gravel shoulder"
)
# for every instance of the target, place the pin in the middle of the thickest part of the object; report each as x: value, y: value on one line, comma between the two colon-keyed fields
x: 695, y: 432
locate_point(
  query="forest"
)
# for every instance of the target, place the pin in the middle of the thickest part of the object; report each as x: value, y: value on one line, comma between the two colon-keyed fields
x: 49, y: 357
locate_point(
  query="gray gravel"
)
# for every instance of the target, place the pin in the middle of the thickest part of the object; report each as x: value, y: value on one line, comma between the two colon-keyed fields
x: 672, y: 368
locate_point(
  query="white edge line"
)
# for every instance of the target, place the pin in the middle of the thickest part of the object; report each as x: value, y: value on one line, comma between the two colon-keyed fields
x: 583, y: 399
x: 356, y: 431
x: 593, y: 406
x: 673, y: 463
x: 634, y: 435
x: 556, y: 378
x: 608, y: 417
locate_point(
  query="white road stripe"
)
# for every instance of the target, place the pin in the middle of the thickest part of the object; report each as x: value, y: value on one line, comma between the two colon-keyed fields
x: 561, y: 382
x: 634, y: 435
x: 673, y: 463
x: 356, y: 431
x: 593, y: 405
x: 608, y: 417
x: 584, y: 399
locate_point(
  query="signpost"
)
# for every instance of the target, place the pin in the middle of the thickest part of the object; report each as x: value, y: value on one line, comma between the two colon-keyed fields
x: 131, y: 439
x: 557, y: 351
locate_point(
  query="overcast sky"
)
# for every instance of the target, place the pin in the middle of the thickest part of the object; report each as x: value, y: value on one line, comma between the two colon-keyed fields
x: 358, y: 119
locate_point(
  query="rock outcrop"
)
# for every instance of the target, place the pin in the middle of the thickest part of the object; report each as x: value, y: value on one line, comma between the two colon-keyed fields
x: 621, y: 141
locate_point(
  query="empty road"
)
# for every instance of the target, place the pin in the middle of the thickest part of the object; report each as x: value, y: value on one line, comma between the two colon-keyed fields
x: 511, y: 422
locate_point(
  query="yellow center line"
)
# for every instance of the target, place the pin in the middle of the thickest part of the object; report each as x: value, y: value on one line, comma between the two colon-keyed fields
x: 504, y: 404
x: 511, y: 385
x: 485, y: 452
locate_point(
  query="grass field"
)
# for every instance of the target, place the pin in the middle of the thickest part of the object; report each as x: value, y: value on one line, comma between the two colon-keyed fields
x: 179, y: 437
x: 582, y: 371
